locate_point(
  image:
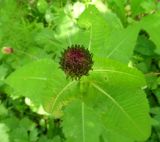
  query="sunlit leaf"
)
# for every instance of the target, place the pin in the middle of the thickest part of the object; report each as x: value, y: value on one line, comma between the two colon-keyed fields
x: 4, y: 137
x: 107, y: 41
x: 80, y: 124
x: 151, y: 24
x: 43, y: 82
x: 115, y: 92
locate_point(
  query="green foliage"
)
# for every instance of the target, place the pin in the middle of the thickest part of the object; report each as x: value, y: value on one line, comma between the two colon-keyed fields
x: 44, y: 83
x: 151, y: 25
x: 118, y: 7
x: 3, y: 130
x: 102, y: 36
x: 115, y: 93
x: 100, y: 91
x: 118, y: 100
x: 86, y: 120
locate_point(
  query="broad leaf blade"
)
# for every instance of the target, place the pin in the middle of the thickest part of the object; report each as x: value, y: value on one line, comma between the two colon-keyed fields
x: 118, y: 7
x: 136, y: 7
x: 43, y: 82
x: 111, y: 136
x: 80, y: 124
x: 121, y: 43
x: 98, y: 27
x: 4, y: 137
x: 115, y: 93
x: 105, y: 40
x: 151, y: 24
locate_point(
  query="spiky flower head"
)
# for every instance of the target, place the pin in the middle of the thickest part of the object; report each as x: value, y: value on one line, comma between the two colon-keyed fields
x: 76, y: 61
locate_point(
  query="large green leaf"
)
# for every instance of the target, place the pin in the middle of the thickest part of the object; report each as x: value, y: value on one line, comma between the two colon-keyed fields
x: 118, y: 7
x: 43, y: 82
x: 139, y: 7
x: 80, y: 123
x: 4, y: 135
x: 114, y: 92
x: 151, y: 24
x: 111, y: 136
x: 136, y: 7
x: 108, y: 41
x: 120, y: 44
x: 81, y: 126
x: 98, y: 27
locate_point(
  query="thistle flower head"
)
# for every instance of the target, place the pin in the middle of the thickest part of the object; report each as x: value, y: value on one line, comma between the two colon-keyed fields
x: 76, y: 61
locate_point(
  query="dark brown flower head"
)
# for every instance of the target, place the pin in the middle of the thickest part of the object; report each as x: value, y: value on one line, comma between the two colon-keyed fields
x: 76, y: 61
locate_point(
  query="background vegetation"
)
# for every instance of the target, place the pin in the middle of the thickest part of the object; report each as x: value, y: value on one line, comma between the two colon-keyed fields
x: 123, y: 36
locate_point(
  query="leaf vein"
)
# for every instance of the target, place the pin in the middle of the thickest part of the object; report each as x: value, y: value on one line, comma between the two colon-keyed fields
x: 118, y: 105
x: 60, y: 93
